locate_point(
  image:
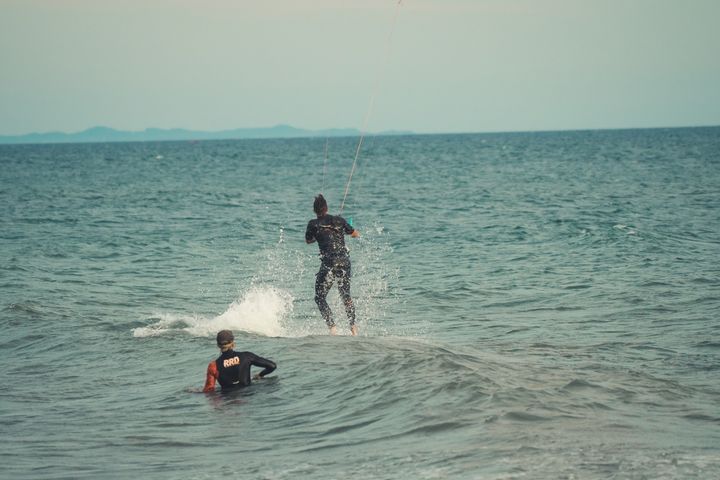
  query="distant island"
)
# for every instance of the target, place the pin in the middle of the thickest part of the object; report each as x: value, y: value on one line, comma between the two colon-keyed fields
x: 106, y: 134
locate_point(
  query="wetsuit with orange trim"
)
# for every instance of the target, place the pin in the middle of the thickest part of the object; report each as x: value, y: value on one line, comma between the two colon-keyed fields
x: 232, y: 370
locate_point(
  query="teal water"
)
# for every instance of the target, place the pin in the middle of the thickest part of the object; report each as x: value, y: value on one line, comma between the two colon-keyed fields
x: 531, y: 305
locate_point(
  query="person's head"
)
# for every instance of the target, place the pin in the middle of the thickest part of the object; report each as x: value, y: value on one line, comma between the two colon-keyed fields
x: 225, y: 340
x: 320, y: 206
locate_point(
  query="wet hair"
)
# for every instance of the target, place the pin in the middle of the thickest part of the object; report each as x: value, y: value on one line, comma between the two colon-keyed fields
x: 320, y: 204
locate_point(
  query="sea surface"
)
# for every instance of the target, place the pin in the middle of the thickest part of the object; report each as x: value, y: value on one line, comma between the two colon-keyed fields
x: 531, y: 305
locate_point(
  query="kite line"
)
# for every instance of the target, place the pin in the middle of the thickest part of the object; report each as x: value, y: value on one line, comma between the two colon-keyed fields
x: 368, y: 113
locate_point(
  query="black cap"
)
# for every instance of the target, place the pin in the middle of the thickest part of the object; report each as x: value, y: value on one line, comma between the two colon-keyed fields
x: 224, y: 337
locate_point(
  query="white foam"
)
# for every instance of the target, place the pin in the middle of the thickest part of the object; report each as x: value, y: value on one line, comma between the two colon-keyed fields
x: 261, y: 310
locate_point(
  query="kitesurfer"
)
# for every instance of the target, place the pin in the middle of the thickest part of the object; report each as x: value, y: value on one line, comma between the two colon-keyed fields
x: 329, y: 232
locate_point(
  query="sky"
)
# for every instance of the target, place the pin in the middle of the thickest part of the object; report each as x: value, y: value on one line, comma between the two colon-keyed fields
x: 427, y: 66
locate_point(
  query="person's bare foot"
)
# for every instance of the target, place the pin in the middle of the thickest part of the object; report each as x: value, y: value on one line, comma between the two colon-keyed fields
x: 333, y: 330
x: 354, y: 330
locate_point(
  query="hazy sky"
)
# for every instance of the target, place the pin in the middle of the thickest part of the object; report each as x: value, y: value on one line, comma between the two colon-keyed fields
x: 449, y: 65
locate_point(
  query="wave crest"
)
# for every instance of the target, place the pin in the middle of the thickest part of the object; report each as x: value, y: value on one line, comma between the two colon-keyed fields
x: 261, y: 310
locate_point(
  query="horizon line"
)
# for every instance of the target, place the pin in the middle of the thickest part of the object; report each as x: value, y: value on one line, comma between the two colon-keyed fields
x: 322, y: 129
x: 389, y: 132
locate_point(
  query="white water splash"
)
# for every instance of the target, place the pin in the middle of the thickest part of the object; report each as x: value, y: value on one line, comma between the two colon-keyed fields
x: 262, y: 310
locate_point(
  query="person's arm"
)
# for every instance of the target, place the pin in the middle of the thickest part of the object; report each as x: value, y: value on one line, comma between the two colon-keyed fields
x: 268, y: 366
x: 210, y: 377
x: 310, y: 233
x: 349, y: 229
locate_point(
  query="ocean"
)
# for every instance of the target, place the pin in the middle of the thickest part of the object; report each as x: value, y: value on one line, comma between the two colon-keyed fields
x: 531, y: 305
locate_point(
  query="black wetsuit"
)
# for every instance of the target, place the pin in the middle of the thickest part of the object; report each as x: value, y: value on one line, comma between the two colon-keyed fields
x: 329, y: 231
x: 233, y: 368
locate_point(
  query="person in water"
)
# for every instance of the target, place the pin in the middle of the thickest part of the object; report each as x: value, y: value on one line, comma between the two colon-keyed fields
x: 329, y: 232
x: 232, y: 369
